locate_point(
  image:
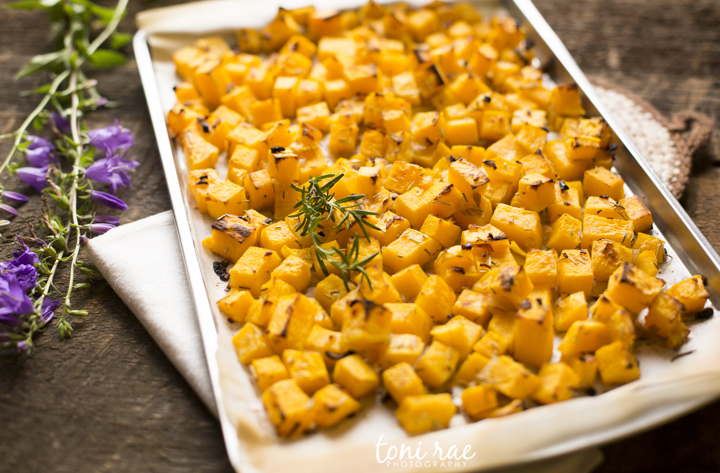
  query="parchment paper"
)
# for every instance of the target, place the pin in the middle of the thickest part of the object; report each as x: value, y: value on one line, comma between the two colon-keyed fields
x: 665, y: 390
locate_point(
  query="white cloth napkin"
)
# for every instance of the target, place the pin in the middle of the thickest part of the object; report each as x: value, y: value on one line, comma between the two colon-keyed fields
x: 143, y: 264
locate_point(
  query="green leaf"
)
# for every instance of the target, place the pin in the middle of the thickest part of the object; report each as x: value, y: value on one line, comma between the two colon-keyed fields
x: 103, y: 58
x: 41, y: 62
x: 118, y: 40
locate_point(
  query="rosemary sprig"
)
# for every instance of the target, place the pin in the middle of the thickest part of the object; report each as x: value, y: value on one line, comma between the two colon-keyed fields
x: 317, y: 205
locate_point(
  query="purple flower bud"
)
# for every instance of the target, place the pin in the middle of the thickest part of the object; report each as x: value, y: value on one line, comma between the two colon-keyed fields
x: 35, y: 177
x: 60, y: 122
x: 36, y: 143
x: 39, y: 157
x: 101, y: 228
x: 7, y: 209
x: 14, y: 301
x: 83, y: 240
x: 108, y: 200
x: 113, y: 137
x: 47, y: 311
x: 111, y: 170
x: 22, y: 345
x: 106, y: 219
x: 14, y: 196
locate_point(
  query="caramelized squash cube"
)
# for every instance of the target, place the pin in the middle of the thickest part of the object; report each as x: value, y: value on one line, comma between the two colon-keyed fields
x: 410, y: 319
x: 570, y: 309
x: 235, y: 305
x: 401, y: 381
x: 444, y: 232
x: 289, y: 408
x: 253, y: 269
x: 468, y: 178
x: 691, y: 293
x: 473, y: 306
x: 511, y: 286
x: 536, y: 192
x: 413, y: 247
x: 616, y: 364
x: 630, y: 287
x: 534, y: 331
x: 420, y: 414
x: 595, y: 228
x: 511, y: 378
x: 366, y: 325
x: 636, y: 211
x: 664, y: 319
x: 521, y: 226
x: 437, y: 364
x: 355, y: 375
x: 268, y: 371
x: 459, y: 333
x: 226, y: 197
x: 436, y: 298
x: 541, y: 266
x: 575, y: 272
x: 600, y: 181
x: 231, y: 237
x: 558, y: 382
x: 251, y: 343
x: 409, y: 281
x: 307, y: 368
x: 199, y: 153
x: 479, y: 401
x: 584, y: 336
x: 585, y: 367
x: 402, y: 348
x: 607, y: 256
x: 332, y: 405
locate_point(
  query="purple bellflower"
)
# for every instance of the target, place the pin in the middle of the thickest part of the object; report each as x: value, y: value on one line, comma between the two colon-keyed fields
x: 35, y: 177
x: 112, y: 170
x: 14, y: 197
x: 113, y: 137
x: 101, y: 228
x: 108, y: 200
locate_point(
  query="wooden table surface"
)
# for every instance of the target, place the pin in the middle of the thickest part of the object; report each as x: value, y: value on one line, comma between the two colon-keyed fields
x: 109, y: 400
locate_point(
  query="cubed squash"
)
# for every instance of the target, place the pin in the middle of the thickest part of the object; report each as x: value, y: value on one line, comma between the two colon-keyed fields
x: 413, y: 247
x: 570, y: 309
x: 541, y: 266
x: 575, y: 272
x: 600, y: 181
x: 253, y: 269
x: 510, y: 286
x: 437, y: 365
x: 607, y: 256
x: 636, y: 211
x: 478, y: 401
x: 585, y: 367
x: 616, y: 364
x: 558, y: 382
x: 459, y: 333
x: 436, y: 298
x: 494, y: 343
x: 307, y: 368
x: 199, y: 181
x: 402, y: 348
x: 595, y: 228
x: 401, y: 381
x: 691, y: 293
x: 420, y: 414
x: 632, y: 288
x: 584, y: 336
x: 332, y: 405
x: 289, y: 408
x: 470, y: 369
x: 235, y: 305
x: 251, y: 343
x: 536, y: 192
x: 521, y: 226
x: 226, y: 197
x: 231, y: 237
x: 199, y: 153
x: 468, y: 178
x: 366, y: 325
x: 410, y: 319
x: 473, y: 306
x: 486, y: 236
x: 564, y: 233
x: 268, y: 371
x: 664, y: 319
x: 292, y: 319
x: 409, y: 281
x: 534, y: 331
x: 511, y: 378
x: 356, y: 376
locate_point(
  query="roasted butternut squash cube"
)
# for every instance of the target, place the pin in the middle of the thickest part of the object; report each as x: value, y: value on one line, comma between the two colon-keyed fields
x: 478, y: 401
x: 356, y: 376
x: 566, y: 100
x: 402, y: 348
x: 235, y: 305
x: 647, y: 261
x: 471, y: 154
x: 645, y: 242
x: 520, y: 225
x: 575, y: 272
x: 251, y: 343
x: 244, y: 158
x: 289, y: 408
x: 486, y: 236
x: 307, y: 368
x: 409, y: 281
x: 444, y: 232
x: 536, y: 192
x: 283, y: 166
x: 343, y: 139
x: 567, y: 201
x: 595, y: 228
x: 473, y: 306
x: 380, y: 288
x: 226, y: 197
x: 420, y: 414
x: 401, y: 381
x: 335, y: 91
x: 530, y: 138
x: 564, y: 233
x: 616, y: 364
x: 199, y: 181
x: 607, y: 256
x: 604, y: 207
x: 459, y: 333
x: 437, y: 364
x: 332, y: 405
x: 441, y: 199
x: 436, y: 298
x: 405, y: 86
x: 248, y: 135
x: 585, y: 367
x: 570, y: 309
x: 630, y: 287
x: 536, y: 163
x: 511, y: 378
x: 390, y: 227
x: 584, y: 336
x: 269, y: 371
x: 199, y: 153
x: 691, y: 293
x: 239, y: 99
x: 636, y: 211
x: 277, y: 235
x: 494, y: 343
x: 285, y: 199
x: 600, y: 181
x: 181, y: 117
x: 413, y: 247
x: 292, y: 319
x: 469, y: 370
x: 265, y: 111
x: 366, y: 325
x: 494, y: 125
x: 468, y: 178
x: 231, y: 237
x: 294, y: 271
x: 253, y: 269
x: 664, y: 319
x: 558, y: 153
x: 462, y: 131
x: 558, y: 382
x: 404, y: 175
x: 511, y: 286
x: 534, y: 331
x: 603, y: 309
x: 542, y: 267
x: 410, y: 319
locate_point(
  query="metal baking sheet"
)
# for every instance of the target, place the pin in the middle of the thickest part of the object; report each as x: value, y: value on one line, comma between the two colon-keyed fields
x: 689, y: 251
